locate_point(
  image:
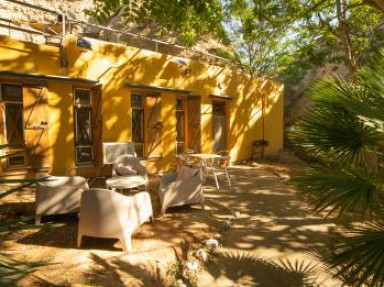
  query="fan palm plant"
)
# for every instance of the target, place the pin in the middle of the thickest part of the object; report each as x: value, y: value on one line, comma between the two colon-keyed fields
x: 11, y: 271
x: 345, y: 131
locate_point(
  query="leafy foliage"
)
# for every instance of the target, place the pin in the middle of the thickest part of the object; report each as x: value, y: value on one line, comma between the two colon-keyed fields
x: 359, y: 257
x: 190, y: 18
x: 260, y: 45
x: 345, y: 131
x: 11, y: 271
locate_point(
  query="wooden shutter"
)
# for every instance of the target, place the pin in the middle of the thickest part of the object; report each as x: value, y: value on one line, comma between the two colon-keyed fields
x: 153, y: 126
x: 35, y: 126
x: 194, y: 118
x: 96, y: 125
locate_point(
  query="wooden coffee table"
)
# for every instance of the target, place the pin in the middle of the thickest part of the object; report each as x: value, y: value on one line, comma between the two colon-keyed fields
x: 126, y: 182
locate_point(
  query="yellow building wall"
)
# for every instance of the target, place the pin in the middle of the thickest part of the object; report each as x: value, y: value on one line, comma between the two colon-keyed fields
x: 116, y: 65
x: 60, y: 128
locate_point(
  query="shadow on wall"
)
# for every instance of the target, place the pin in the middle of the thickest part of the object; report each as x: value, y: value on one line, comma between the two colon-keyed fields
x: 115, y: 65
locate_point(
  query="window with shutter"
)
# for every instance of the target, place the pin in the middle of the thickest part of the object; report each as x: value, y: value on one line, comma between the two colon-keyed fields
x: 12, y: 97
x: 194, y: 118
x: 97, y: 124
x: 35, y: 126
x: 153, y: 125
x: 83, y: 126
x: 137, y: 103
x: 180, y: 125
x: 25, y: 120
x: 13, y: 123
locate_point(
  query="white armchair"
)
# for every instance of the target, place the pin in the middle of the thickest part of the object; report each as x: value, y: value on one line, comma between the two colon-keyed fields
x: 58, y: 195
x: 107, y: 214
x: 175, y: 192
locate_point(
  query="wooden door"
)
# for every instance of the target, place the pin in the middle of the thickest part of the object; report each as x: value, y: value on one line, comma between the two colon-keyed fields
x: 153, y: 126
x: 35, y: 126
x: 194, y: 123
x: 219, y: 126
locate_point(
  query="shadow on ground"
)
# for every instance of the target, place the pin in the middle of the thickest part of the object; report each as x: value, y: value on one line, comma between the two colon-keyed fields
x: 266, y: 230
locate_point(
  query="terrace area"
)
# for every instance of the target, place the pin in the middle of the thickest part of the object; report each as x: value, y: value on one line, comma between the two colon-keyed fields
x: 268, y: 236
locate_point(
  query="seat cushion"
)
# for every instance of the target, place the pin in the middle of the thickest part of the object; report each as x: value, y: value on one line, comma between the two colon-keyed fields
x: 186, y: 173
x: 138, y: 168
x: 125, y: 170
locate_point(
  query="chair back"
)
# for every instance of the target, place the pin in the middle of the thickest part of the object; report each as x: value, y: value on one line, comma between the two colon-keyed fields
x: 101, y: 212
x: 224, y: 160
x: 60, y: 181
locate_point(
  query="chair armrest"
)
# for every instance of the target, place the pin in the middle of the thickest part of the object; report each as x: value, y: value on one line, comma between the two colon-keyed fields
x: 167, y: 178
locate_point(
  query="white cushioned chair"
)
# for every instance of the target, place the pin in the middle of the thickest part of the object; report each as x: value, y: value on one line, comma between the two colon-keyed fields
x: 108, y: 214
x: 58, y: 195
x: 174, y: 191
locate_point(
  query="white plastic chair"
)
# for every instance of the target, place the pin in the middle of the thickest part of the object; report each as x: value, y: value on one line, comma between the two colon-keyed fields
x: 58, y: 195
x: 108, y: 214
x: 220, y: 167
x: 173, y: 192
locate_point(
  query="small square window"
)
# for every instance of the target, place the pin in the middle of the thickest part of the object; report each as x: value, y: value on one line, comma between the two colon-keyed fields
x: 82, y: 97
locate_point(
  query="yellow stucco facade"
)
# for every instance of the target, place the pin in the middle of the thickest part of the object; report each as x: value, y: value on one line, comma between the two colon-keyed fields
x: 111, y: 67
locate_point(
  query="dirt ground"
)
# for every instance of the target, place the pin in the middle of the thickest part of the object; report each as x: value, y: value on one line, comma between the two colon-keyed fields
x: 268, y: 237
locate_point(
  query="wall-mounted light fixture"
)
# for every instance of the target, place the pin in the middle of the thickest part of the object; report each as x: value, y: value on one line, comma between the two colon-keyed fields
x: 83, y: 43
x: 184, y: 65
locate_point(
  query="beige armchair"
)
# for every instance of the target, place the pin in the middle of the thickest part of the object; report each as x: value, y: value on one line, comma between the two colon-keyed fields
x: 108, y: 214
x: 175, y: 192
x: 58, y: 195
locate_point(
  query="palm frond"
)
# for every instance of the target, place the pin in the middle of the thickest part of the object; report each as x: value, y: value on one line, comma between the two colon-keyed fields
x: 22, y: 224
x: 340, y: 190
x: 24, y: 184
x: 333, y: 132
x: 11, y: 271
x: 359, y: 257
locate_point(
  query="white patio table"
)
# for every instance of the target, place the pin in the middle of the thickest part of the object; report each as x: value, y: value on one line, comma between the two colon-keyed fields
x: 205, y: 160
x: 126, y: 182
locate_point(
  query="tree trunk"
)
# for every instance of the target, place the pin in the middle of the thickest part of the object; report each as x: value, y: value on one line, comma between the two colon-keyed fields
x: 344, y: 35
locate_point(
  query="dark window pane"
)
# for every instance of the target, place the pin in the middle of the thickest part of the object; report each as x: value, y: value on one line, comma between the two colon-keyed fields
x: 14, y: 122
x: 12, y: 93
x: 84, y: 154
x: 82, y: 97
x: 16, y: 160
x: 180, y: 148
x: 180, y: 132
x: 137, y: 126
x: 179, y: 104
x: 219, y: 108
x: 137, y: 101
x: 139, y: 149
x: 83, y: 126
